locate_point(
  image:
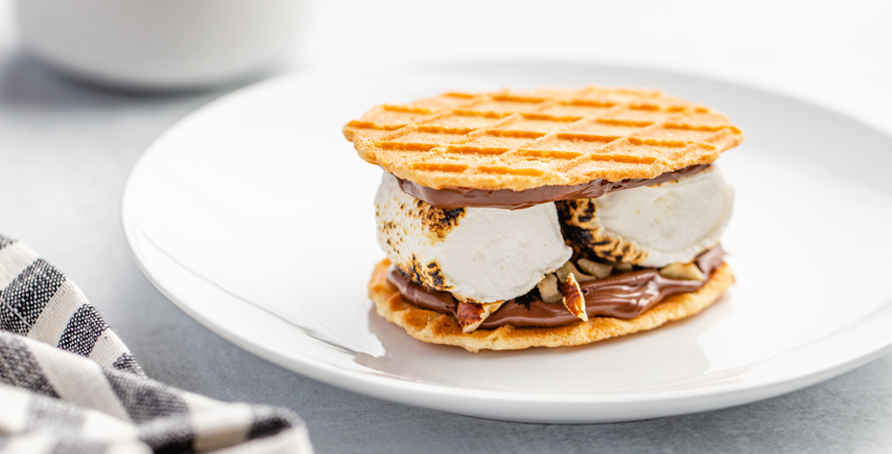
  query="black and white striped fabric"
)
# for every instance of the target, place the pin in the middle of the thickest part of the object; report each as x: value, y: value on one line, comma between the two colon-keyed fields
x: 69, y: 385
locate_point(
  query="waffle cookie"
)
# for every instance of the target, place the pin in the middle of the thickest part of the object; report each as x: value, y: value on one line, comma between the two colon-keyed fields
x: 438, y: 328
x: 546, y: 217
x: 527, y: 139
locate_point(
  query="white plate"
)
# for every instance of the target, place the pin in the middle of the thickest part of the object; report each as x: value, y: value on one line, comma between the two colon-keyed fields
x: 255, y: 216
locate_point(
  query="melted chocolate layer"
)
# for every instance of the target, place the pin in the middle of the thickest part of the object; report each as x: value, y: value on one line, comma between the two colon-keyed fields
x: 625, y: 295
x: 451, y: 198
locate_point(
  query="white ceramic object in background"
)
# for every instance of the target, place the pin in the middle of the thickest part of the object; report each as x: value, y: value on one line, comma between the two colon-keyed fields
x: 159, y: 44
x: 255, y: 216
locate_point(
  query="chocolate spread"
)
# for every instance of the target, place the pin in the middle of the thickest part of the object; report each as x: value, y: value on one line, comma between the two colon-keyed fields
x: 624, y: 295
x: 451, y: 198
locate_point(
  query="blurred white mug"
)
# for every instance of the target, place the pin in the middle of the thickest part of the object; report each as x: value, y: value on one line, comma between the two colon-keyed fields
x: 159, y: 44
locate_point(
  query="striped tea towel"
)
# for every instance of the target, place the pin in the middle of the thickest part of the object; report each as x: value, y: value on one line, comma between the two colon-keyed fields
x: 69, y: 385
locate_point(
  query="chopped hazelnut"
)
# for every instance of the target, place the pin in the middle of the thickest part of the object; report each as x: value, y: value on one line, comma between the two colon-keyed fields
x: 598, y: 270
x: 573, y: 299
x: 622, y: 266
x: 548, y: 289
x: 471, y: 315
x: 569, y: 268
x: 683, y: 271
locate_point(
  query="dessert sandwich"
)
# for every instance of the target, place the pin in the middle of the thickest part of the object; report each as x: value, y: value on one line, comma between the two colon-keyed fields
x: 549, y: 217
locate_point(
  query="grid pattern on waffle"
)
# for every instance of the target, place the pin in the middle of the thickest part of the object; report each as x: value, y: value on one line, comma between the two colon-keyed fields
x: 525, y: 139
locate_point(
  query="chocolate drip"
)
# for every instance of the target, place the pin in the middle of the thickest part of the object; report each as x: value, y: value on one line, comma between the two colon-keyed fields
x: 421, y: 297
x: 451, y: 198
x: 625, y: 295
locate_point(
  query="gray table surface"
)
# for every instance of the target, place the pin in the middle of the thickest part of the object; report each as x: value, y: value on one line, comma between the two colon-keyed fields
x: 65, y: 152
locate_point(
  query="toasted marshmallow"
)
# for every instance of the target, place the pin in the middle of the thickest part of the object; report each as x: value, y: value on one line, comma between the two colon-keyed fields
x: 480, y: 255
x: 653, y: 226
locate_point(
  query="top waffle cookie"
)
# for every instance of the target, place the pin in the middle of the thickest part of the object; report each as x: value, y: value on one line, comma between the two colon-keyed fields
x: 526, y: 139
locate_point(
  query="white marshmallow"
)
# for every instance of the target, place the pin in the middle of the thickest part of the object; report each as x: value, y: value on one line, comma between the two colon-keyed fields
x: 654, y: 226
x: 480, y: 255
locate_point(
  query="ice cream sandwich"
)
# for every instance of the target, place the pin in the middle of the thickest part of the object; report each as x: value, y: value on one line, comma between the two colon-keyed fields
x: 548, y: 217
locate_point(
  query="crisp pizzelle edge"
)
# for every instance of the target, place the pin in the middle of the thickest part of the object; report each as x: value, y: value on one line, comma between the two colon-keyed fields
x: 434, y: 327
x: 520, y: 140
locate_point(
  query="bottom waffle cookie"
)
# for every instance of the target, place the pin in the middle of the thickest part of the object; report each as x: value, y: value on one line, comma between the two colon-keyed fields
x: 438, y: 328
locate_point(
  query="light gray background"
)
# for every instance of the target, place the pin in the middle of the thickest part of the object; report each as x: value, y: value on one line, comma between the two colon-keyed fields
x: 66, y: 150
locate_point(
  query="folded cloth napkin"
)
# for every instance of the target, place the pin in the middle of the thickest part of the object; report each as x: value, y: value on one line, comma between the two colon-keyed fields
x: 69, y: 385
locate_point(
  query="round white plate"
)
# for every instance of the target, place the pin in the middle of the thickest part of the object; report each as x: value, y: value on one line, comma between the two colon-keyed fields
x: 255, y: 216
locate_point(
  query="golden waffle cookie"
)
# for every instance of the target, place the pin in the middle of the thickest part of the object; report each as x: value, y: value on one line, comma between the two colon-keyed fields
x: 437, y: 328
x: 526, y: 139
